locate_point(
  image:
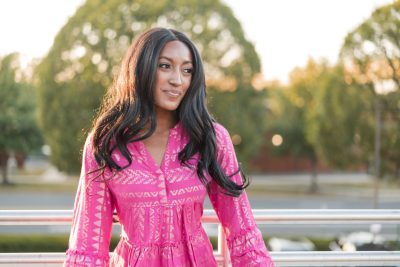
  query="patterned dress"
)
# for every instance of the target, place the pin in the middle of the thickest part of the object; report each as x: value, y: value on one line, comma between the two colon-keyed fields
x: 160, y: 210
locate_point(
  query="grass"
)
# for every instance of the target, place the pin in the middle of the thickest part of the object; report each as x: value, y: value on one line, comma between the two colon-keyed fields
x: 38, y: 243
x: 324, y: 189
x: 59, y: 243
x: 23, y: 171
x: 38, y: 187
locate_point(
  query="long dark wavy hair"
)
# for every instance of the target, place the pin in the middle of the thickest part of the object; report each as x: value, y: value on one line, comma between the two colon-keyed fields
x: 129, y: 105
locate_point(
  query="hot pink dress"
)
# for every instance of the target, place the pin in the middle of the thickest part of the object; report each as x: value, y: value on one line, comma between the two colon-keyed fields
x: 160, y: 210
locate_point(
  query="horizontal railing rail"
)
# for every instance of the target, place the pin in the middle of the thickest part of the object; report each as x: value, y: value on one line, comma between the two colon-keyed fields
x: 262, y: 216
x: 306, y: 258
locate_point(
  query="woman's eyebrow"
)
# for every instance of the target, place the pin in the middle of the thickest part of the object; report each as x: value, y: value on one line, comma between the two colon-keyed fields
x: 171, y: 60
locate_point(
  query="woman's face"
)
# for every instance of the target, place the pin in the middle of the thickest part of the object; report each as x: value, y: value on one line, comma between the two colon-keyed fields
x: 173, y: 76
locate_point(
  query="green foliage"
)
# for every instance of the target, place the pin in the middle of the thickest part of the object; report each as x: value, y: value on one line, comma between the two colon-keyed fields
x: 390, y: 141
x: 371, y: 51
x: 59, y: 243
x: 321, y: 244
x: 287, y: 121
x: 19, y: 132
x: 371, y: 54
x: 327, y: 112
x: 39, y: 243
x: 246, y: 127
x: 10, y: 243
x: 83, y: 59
x: 289, y: 111
x: 337, y: 123
x: 322, y: 117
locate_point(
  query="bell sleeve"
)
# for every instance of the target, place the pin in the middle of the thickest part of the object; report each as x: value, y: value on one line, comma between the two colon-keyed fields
x: 244, y: 239
x: 92, y: 217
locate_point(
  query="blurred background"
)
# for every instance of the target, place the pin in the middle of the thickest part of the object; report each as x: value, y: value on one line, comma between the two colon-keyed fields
x: 309, y: 91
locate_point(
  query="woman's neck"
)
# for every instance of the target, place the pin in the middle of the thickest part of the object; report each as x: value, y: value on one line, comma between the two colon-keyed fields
x: 165, y: 120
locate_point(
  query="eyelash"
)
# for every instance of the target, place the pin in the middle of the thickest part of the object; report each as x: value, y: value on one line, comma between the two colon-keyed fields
x: 165, y: 66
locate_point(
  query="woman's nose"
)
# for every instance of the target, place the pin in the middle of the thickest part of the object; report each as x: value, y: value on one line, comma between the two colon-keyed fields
x: 176, y: 78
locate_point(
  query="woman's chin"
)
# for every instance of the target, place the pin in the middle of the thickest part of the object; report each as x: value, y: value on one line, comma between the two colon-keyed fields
x: 168, y: 108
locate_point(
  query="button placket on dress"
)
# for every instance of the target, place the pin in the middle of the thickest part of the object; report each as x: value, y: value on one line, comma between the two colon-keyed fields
x: 161, y: 186
x: 160, y: 171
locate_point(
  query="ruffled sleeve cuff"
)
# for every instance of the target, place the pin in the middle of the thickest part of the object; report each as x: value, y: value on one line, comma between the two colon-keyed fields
x: 247, y: 248
x: 85, y: 259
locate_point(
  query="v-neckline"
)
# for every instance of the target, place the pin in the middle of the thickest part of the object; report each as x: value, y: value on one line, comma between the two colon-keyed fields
x: 151, y: 158
x: 148, y: 155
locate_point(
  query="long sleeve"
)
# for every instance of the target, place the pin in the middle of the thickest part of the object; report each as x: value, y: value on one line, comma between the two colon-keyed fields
x: 245, y: 242
x: 92, y: 218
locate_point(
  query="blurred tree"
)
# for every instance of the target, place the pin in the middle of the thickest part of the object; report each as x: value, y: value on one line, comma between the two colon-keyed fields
x: 244, y: 113
x: 323, y: 117
x: 371, y: 55
x: 287, y: 120
x: 371, y: 52
x: 80, y: 65
x: 299, y: 98
x: 19, y: 132
x: 339, y: 119
x: 332, y: 117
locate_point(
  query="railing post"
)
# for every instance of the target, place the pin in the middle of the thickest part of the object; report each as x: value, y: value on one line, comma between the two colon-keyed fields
x: 222, y: 246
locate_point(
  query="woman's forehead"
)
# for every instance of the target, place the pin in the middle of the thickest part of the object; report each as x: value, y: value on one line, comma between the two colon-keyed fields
x: 176, y: 51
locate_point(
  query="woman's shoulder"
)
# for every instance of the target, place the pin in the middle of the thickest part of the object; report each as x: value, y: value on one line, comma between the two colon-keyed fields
x: 222, y: 134
x: 219, y: 128
x: 88, y: 149
x: 88, y: 144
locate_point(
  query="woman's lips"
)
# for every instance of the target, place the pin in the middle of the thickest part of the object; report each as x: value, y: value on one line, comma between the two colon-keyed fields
x: 172, y: 93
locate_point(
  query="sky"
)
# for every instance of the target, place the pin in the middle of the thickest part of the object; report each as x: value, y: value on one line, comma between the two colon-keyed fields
x: 285, y: 32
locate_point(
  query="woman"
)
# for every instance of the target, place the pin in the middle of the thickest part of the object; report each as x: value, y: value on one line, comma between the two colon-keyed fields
x: 153, y: 154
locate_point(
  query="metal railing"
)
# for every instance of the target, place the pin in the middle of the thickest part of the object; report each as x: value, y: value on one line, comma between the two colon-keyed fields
x: 305, y: 216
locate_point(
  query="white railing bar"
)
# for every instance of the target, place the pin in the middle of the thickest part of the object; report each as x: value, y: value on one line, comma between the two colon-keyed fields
x: 315, y: 258
x: 32, y: 258
x: 262, y: 216
x: 335, y: 258
x: 35, y: 217
x: 222, y: 249
x: 329, y: 216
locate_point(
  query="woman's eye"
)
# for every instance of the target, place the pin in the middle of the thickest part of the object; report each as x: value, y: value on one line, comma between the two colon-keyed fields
x: 163, y: 65
x: 188, y: 70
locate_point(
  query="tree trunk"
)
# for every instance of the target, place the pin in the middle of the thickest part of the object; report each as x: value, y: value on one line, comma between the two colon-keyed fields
x: 314, y: 188
x: 3, y: 166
